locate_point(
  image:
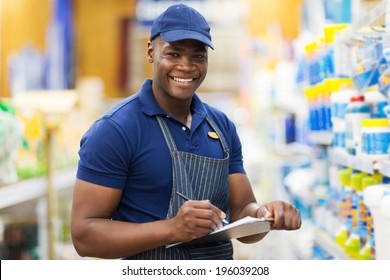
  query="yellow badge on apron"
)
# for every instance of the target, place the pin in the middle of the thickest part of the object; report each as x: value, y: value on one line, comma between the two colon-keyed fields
x: 213, y: 135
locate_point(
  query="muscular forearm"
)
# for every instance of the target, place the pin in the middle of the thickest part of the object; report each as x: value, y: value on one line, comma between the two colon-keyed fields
x: 104, y: 238
x: 250, y: 210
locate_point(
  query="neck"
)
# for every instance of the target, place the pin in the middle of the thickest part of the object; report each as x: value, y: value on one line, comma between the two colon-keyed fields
x: 189, y: 119
x: 181, y: 110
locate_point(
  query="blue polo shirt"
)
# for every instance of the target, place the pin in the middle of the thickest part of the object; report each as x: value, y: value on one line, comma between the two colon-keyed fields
x: 126, y: 149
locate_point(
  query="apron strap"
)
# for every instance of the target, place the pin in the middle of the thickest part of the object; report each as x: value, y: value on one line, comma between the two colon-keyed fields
x: 167, y: 134
x: 171, y: 143
x: 220, y: 134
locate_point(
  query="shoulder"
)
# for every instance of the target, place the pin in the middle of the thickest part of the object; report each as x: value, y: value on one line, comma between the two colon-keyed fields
x: 219, y: 117
x: 123, y: 108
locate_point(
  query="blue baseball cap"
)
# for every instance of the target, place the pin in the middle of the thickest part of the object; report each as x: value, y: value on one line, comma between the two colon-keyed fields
x: 181, y: 22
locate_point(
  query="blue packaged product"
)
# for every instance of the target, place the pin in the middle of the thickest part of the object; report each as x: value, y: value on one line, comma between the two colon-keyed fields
x: 375, y: 138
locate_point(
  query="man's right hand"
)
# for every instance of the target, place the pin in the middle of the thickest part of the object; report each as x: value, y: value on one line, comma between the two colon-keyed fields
x: 195, y: 219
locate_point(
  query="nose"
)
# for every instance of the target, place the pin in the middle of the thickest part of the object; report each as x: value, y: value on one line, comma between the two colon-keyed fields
x: 186, y: 63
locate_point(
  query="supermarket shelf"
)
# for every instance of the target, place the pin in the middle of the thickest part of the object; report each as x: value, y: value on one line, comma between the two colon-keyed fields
x: 368, y: 19
x: 330, y: 246
x: 29, y: 189
x: 383, y: 167
x: 359, y: 163
x: 321, y: 137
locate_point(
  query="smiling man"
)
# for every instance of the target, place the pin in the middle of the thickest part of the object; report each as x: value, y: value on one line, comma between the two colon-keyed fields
x: 144, y: 155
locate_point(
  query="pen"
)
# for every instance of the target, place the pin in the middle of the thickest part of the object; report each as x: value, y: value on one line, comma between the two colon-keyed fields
x: 224, y: 221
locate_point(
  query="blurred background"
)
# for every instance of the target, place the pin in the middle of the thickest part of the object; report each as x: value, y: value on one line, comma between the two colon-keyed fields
x: 283, y: 70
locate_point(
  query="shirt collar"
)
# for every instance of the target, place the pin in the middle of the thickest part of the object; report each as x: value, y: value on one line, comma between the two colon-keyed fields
x: 150, y: 106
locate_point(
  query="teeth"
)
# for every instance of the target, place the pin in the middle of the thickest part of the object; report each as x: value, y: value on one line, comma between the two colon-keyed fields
x: 183, y: 80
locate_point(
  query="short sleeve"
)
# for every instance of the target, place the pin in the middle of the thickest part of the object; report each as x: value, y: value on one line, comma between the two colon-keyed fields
x: 104, y: 155
x: 236, y: 164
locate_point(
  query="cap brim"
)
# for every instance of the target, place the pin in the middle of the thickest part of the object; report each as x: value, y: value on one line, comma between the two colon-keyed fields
x: 178, y: 35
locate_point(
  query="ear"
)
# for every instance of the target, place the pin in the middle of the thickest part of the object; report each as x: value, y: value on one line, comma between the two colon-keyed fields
x: 150, y: 52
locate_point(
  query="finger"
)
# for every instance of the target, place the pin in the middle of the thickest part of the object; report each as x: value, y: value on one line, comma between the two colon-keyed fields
x: 202, y: 214
x: 263, y: 212
x: 289, y: 217
x: 209, y: 218
x: 296, y: 220
x: 207, y: 205
x: 276, y: 211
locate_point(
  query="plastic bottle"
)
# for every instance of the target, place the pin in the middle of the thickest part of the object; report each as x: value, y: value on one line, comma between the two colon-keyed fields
x: 10, y: 142
x: 324, y: 107
x: 385, y: 209
x: 352, y: 244
x: 341, y: 93
x: 313, y: 62
x: 376, y: 101
x: 339, y: 130
x: 365, y: 226
x: 356, y: 111
x: 375, y: 138
x: 372, y: 198
x: 330, y: 32
x: 367, y: 252
x: 342, y: 233
x: 313, y: 108
x: 334, y: 195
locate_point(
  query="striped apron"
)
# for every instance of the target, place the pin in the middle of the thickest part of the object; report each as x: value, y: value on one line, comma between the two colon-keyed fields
x: 199, y: 178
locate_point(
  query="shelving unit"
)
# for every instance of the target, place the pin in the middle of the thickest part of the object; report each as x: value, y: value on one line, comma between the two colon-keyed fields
x: 321, y: 138
x: 329, y: 245
x: 364, y: 26
x: 34, y: 188
x: 27, y: 200
x: 356, y: 162
x: 360, y: 163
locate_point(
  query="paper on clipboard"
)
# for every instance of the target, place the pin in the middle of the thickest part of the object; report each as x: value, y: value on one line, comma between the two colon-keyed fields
x: 244, y: 227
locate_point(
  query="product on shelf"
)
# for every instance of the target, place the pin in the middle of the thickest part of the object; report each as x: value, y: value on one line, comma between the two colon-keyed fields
x: 342, y: 233
x: 356, y: 111
x: 384, y: 82
x: 376, y: 101
x: 329, y: 33
x: 372, y: 198
x: 31, y: 158
x: 10, y: 141
x: 375, y: 138
x: 352, y: 244
x: 366, y: 226
x: 385, y: 209
x: 341, y: 92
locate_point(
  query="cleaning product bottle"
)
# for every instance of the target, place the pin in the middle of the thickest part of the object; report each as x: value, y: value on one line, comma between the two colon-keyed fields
x: 365, y: 220
x: 356, y: 111
x: 376, y: 101
x: 372, y: 198
x: 375, y: 138
x: 352, y: 244
x: 385, y: 209
x: 342, y: 233
x: 368, y: 250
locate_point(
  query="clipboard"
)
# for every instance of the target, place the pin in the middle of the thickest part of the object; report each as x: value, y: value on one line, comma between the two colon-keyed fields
x: 244, y: 227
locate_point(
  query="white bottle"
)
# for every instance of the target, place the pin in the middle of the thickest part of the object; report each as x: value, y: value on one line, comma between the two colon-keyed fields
x: 372, y: 198
x: 357, y: 110
x: 385, y: 209
x: 376, y: 101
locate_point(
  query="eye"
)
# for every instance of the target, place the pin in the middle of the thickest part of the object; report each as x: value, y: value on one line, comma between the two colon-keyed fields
x: 173, y: 54
x: 199, y: 57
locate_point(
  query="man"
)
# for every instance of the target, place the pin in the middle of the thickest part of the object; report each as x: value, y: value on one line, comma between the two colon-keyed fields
x: 151, y: 149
